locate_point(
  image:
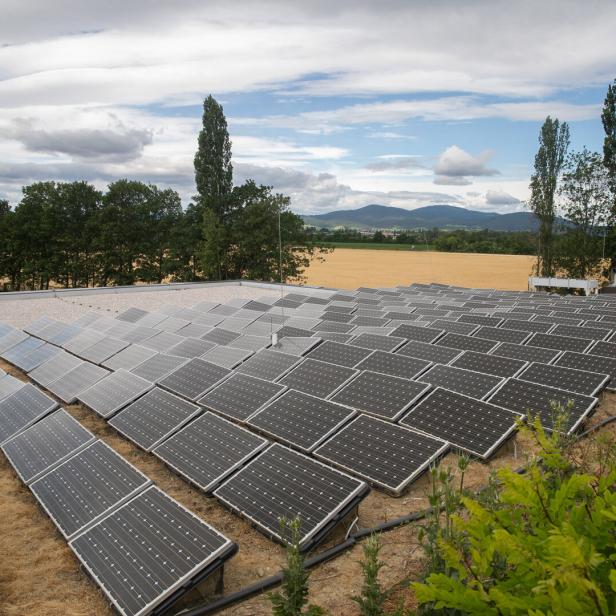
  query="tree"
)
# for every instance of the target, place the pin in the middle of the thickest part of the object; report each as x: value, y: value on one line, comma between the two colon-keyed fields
x: 213, y: 169
x: 586, y: 204
x: 608, y: 117
x: 553, y: 145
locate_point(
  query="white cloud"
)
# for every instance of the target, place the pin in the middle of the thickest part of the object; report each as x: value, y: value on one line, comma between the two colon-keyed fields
x: 500, y: 197
x: 455, y: 163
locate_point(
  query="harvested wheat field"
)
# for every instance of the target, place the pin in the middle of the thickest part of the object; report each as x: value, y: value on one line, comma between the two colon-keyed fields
x: 350, y: 269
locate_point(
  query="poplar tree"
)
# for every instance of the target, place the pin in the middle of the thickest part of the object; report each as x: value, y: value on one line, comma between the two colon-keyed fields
x: 608, y: 117
x: 553, y: 145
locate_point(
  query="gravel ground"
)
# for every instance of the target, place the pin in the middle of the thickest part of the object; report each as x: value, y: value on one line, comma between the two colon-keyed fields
x: 20, y: 312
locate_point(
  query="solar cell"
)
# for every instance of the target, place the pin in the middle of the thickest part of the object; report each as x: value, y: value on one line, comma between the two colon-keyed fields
x: 164, y: 547
x: 375, y: 341
x: 194, y: 330
x: 54, y: 368
x: 283, y: 484
x: 525, y: 397
x: 296, y: 345
x: 333, y: 327
x: 103, y: 349
x: 83, y: 340
x: 129, y: 358
x: 132, y: 315
x: 47, y: 443
x: 394, y: 364
x: 250, y: 343
x: 259, y: 328
x: 384, y: 454
x: 592, y: 363
x: 561, y: 343
x: 70, y: 385
x: 208, y: 450
x: 457, y: 327
x: 154, y: 417
x: 334, y: 337
x: 489, y: 364
x: 527, y: 326
x: 476, y: 427
x: 526, y: 353
x: 223, y: 310
x: 268, y: 364
x: 172, y: 324
x: 479, y: 319
x: 589, y: 333
x: 502, y: 335
x: 36, y: 326
x: 191, y: 347
x: 567, y: 379
x: 380, y: 394
x: 300, y: 420
x: 15, y: 336
x: 428, y: 352
x: 466, y: 343
x: 35, y: 358
x: 474, y: 384
x: 340, y: 317
x: 162, y: 342
x: 113, y: 392
x: 24, y: 407
x: 194, y: 378
x: 604, y: 349
x: 158, y: 367
x: 339, y: 354
x: 418, y: 333
x: 220, y: 336
x: 21, y: 349
x: 80, y: 491
x: 227, y: 357
x: 138, y: 334
x: 321, y: 379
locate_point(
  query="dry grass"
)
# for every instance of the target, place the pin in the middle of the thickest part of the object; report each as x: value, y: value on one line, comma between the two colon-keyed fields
x: 40, y: 576
x: 350, y: 269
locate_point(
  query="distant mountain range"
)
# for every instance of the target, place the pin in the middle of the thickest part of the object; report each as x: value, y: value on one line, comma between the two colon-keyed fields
x: 429, y: 217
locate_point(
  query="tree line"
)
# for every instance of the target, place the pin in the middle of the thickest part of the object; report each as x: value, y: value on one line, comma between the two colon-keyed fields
x: 582, y: 186
x: 70, y: 234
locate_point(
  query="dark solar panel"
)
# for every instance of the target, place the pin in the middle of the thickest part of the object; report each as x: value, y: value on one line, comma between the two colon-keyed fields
x: 380, y: 394
x: 474, y: 384
x: 466, y: 343
x: 561, y: 343
x: 384, y: 454
x: 219, y: 335
x: 21, y: 409
x: 318, y: 378
x: 227, y: 357
x: 428, y: 352
x: 158, y: 367
x: 526, y: 326
x: 480, y: 319
x: 592, y: 363
x: 283, y: 484
x: 567, y: 379
x: 339, y: 354
x: 394, y: 364
x: 489, y: 364
x: 334, y: 327
x: 334, y: 337
x: 154, y: 417
x: 46, y: 444
x: 194, y: 379
x: 526, y: 397
x: 456, y: 327
x: 69, y: 386
x: 240, y: 396
x: 339, y: 317
x: 208, y: 450
x: 129, y: 358
x: 114, y: 392
x: 102, y: 350
x: 252, y: 343
x: 191, y: 347
x: 376, y: 341
x: 418, y: 333
x: 467, y: 423
x: 588, y: 333
x: 369, y: 321
x: 604, y: 349
x: 80, y: 491
x: 300, y: 420
x: 502, y: 335
x: 287, y: 331
x: 164, y: 546
x: 268, y: 365
x: 298, y: 346
x: 525, y: 353
x: 132, y: 315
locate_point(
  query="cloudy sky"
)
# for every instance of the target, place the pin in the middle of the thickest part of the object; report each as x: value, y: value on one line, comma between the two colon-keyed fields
x: 337, y: 103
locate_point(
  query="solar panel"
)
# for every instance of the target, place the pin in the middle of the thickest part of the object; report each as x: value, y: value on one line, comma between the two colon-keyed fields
x: 227, y: 357
x: 21, y: 349
x: 59, y: 365
x: 103, y: 349
x: 80, y: 491
x: 476, y: 427
x: 375, y: 341
x: 397, y: 315
x: 172, y: 324
x: 129, y: 358
x: 604, y: 349
x: 69, y: 386
x: 21, y: 409
x: 194, y: 330
x: 154, y: 417
x: 164, y: 547
x: 191, y: 347
x: 37, y: 357
x: 47, y: 443
x: 151, y: 320
x: 36, y: 326
x: 428, y: 352
x: 283, y: 484
x: 83, y: 340
x: 561, y: 343
x: 223, y: 310
x: 340, y: 317
x: 194, y: 378
x: 268, y: 365
x: 339, y: 354
x: 360, y: 321
x: 489, y: 364
x: 132, y: 315
x: 240, y: 396
x: 502, y: 335
x: 526, y: 326
x: 208, y: 450
x: 466, y: 343
x: 249, y: 342
x: 158, y: 367
x: 473, y: 384
x: 138, y: 334
x: 588, y: 333
x: 555, y: 319
x: 526, y: 397
x: 526, y: 353
x: 384, y: 454
x: 334, y: 337
x: 114, y: 392
x: 394, y: 365
x: 456, y: 327
x: 300, y: 420
x: 296, y: 345
x: 480, y: 319
x: 567, y: 379
x: 321, y: 379
x: 380, y: 394
x: 162, y: 342
x: 418, y: 333
x: 9, y: 340
x: 592, y: 363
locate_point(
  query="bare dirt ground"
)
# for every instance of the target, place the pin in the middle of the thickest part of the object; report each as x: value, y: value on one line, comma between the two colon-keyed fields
x: 40, y: 576
x: 351, y: 268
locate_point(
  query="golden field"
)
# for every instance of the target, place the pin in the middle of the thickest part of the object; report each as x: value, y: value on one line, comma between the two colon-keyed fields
x: 352, y: 268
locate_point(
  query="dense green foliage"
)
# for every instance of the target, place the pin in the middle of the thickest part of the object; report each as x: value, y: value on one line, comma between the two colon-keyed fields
x: 608, y: 118
x: 553, y: 145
